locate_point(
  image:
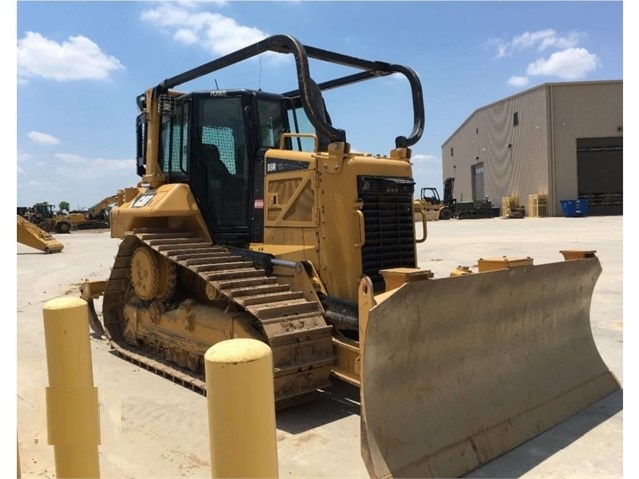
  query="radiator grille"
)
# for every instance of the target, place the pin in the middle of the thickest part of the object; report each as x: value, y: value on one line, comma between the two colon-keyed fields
x: 390, y: 228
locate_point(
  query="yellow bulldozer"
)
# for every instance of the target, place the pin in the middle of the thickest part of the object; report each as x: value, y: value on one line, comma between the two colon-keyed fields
x: 254, y: 219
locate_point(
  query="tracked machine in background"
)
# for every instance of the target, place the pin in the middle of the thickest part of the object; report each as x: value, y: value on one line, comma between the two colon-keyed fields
x: 254, y: 219
x: 448, y: 207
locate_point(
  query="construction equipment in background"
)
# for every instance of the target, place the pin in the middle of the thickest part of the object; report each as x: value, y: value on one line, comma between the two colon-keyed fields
x: 510, y: 208
x: 430, y: 201
x: 44, y: 216
x: 31, y: 235
x: 96, y: 217
x: 100, y: 211
x: 248, y: 222
x: 449, y: 207
x: 80, y: 220
x: 472, y: 210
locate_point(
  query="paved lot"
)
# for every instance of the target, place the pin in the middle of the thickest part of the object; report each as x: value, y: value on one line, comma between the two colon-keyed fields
x: 152, y: 428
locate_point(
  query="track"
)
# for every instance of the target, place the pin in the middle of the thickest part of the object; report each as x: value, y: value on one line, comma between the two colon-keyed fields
x: 293, y: 327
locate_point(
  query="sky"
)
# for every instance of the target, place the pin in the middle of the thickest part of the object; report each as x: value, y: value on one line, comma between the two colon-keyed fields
x: 80, y: 66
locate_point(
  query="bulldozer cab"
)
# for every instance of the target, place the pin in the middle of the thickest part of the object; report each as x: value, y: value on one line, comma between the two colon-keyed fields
x: 215, y: 142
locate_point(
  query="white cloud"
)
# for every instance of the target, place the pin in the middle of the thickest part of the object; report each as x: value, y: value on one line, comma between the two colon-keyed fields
x: 502, y: 48
x: 539, y: 40
x: 22, y: 157
x: 78, y: 58
x: 185, y: 36
x: 518, y: 81
x: 543, y: 39
x: 43, y: 138
x: 71, y: 158
x: 80, y: 180
x: 215, y: 32
x: 80, y: 165
x: 569, y: 64
x: 106, y: 165
x: 196, y: 3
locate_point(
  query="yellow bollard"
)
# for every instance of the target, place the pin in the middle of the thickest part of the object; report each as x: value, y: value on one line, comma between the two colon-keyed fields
x: 73, y: 421
x: 241, y: 409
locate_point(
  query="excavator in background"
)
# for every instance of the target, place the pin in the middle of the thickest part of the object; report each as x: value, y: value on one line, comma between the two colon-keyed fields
x: 100, y: 211
x: 31, y: 235
x: 253, y: 218
x: 96, y: 217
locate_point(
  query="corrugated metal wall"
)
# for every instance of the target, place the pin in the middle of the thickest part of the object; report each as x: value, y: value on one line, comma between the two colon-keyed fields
x: 538, y: 155
x: 580, y: 110
x: 514, y: 157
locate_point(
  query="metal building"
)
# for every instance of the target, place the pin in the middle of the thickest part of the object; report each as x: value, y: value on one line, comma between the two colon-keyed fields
x: 562, y: 141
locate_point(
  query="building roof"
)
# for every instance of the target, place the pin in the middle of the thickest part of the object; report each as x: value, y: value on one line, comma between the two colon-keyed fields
x: 526, y: 92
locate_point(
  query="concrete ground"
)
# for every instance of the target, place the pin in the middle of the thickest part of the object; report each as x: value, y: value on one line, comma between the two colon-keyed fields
x: 152, y: 428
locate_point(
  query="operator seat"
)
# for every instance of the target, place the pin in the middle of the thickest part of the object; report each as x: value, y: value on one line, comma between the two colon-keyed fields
x: 210, y: 156
x: 227, y: 193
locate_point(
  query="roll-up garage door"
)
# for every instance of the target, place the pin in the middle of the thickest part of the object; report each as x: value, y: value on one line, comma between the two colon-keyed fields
x: 478, y: 181
x: 600, y: 174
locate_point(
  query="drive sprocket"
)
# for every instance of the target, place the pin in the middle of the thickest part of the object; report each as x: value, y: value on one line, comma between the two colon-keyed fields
x: 153, y: 277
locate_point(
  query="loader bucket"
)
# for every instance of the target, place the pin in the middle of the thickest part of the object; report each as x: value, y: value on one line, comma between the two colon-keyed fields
x: 459, y: 370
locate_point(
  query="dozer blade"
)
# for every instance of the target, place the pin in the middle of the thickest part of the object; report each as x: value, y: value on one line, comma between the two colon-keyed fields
x: 459, y: 370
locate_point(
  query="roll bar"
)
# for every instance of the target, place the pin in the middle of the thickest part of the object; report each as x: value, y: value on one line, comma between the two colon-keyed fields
x: 306, y: 93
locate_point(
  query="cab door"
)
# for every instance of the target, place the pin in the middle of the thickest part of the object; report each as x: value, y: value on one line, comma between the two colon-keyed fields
x: 221, y: 170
